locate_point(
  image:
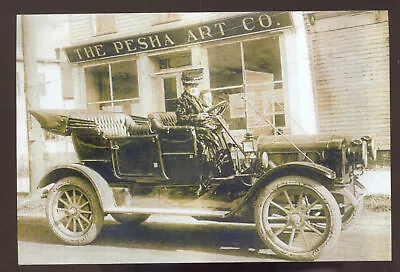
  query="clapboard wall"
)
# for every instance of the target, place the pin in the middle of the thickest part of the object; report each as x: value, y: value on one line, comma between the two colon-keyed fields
x: 350, y: 54
x: 127, y: 24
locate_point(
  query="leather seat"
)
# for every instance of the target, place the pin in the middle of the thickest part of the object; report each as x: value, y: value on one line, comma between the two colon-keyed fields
x: 162, y: 120
x: 113, y: 124
x: 174, y: 139
x: 135, y: 129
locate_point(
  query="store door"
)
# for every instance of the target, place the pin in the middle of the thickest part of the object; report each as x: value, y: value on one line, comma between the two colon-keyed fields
x: 171, y: 85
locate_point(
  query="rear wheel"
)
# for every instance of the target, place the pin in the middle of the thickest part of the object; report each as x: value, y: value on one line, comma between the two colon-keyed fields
x: 130, y: 219
x: 297, y: 218
x: 74, y: 212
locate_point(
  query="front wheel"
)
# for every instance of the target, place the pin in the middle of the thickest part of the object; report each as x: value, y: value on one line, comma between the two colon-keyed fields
x: 353, y: 204
x: 297, y: 218
x: 74, y: 212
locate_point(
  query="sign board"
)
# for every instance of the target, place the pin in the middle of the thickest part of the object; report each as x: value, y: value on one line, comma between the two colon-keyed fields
x: 210, y: 31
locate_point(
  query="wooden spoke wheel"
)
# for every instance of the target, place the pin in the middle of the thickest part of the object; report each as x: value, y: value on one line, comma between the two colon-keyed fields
x: 74, y: 212
x: 353, y: 204
x: 297, y: 218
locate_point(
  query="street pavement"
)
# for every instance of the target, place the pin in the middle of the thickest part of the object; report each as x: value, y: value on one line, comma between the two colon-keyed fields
x: 173, y: 239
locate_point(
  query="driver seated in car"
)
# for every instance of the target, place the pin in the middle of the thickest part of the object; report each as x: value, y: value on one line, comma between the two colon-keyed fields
x: 191, y: 111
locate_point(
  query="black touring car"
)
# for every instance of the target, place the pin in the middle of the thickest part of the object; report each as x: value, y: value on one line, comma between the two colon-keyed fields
x: 299, y: 191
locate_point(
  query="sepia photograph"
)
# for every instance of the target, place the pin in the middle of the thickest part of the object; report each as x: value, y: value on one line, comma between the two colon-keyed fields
x: 203, y: 137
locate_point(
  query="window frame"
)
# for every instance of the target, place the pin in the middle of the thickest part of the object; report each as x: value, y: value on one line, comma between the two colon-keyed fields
x: 112, y: 101
x: 96, y: 32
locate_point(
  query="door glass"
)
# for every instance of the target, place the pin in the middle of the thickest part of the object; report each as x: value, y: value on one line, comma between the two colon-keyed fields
x: 170, y: 93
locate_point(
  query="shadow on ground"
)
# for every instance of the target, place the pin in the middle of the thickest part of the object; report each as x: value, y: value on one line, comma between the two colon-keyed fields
x: 231, y: 239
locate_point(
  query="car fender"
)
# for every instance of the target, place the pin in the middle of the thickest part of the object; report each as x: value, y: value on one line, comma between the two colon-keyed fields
x: 100, y: 185
x: 313, y: 171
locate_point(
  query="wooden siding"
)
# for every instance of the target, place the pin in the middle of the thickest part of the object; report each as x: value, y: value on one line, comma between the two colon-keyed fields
x: 82, y: 28
x: 351, y: 75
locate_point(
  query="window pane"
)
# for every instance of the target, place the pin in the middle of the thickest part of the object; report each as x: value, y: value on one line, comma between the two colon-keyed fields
x: 225, y: 65
x: 170, y: 87
x: 97, y: 84
x: 175, y: 60
x: 170, y: 104
x: 258, y: 77
x: 264, y: 130
x: 235, y: 114
x: 264, y: 127
x: 261, y: 100
x: 263, y: 56
x: 268, y: 102
x: 124, y: 80
x: 105, y: 23
x: 279, y: 107
x: 280, y: 120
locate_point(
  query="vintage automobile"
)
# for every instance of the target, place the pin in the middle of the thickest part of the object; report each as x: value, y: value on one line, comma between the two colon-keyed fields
x: 298, y: 191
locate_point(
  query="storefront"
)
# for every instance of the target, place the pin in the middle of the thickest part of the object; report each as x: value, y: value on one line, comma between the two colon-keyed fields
x: 259, y: 57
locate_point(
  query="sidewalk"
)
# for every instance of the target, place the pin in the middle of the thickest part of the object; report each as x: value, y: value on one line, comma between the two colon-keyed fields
x: 23, y: 184
x: 377, y: 181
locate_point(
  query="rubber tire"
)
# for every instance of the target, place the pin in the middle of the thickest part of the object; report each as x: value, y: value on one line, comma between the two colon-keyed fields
x: 97, y: 212
x: 357, y: 211
x: 355, y: 215
x: 323, y: 193
x: 130, y: 219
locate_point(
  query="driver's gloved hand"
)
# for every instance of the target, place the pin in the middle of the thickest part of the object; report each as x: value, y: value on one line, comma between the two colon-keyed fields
x: 203, y: 115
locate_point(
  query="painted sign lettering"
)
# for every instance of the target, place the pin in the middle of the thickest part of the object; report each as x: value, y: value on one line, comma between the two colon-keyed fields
x: 230, y: 27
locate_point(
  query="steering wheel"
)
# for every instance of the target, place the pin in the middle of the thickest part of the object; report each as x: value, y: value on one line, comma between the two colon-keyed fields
x: 219, y: 108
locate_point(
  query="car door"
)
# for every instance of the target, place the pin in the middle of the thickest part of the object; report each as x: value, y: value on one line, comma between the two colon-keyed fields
x: 137, y: 157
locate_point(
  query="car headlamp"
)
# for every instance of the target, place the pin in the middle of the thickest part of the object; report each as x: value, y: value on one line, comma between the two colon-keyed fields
x: 264, y: 159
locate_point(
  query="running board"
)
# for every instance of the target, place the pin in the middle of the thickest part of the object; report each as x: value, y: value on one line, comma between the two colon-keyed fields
x: 167, y: 211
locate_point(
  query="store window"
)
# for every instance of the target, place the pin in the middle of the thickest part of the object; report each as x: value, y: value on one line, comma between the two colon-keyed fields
x: 104, y: 24
x: 113, y: 87
x: 251, y: 70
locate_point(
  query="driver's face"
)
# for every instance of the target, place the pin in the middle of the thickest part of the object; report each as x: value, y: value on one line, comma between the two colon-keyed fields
x: 194, y: 90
